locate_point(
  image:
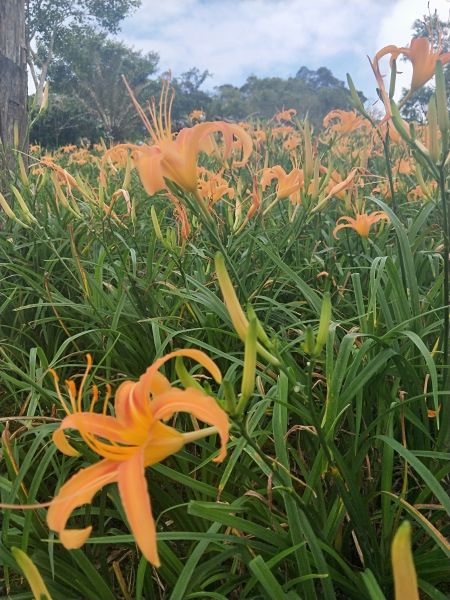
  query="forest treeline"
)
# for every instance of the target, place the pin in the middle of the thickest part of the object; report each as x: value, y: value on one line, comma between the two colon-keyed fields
x: 88, y: 98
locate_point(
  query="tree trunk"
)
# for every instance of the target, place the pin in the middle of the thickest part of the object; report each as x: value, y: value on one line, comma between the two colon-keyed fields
x: 13, y: 83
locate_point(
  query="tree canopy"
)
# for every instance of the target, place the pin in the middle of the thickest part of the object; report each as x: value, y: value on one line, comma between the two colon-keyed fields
x: 416, y: 107
x: 49, y: 23
x: 89, y: 68
x: 312, y: 93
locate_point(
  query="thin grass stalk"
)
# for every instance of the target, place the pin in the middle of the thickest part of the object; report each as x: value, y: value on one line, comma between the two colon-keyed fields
x: 387, y: 157
x: 444, y: 435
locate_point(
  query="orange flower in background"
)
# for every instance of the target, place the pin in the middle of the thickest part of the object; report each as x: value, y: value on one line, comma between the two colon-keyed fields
x: 285, y: 115
x: 422, y: 57
x: 346, y: 121
x: 292, y: 142
x: 180, y: 214
x: 61, y: 175
x: 361, y: 224
x: 128, y: 442
x: 68, y: 148
x: 259, y: 136
x: 282, y: 131
x: 212, y: 186
x: 197, y: 115
x: 289, y: 184
x: 387, y: 126
x: 337, y: 186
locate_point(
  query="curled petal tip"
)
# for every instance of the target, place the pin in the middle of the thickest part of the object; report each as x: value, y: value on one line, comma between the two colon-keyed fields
x: 74, y: 538
x: 60, y: 441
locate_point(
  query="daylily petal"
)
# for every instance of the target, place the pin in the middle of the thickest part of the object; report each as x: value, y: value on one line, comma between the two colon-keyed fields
x: 163, y: 442
x: 100, y: 425
x: 179, y: 160
x: 136, y: 502
x: 148, y: 164
x: 121, y: 403
x: 74, y: 538
x: 276, y: 172
x: 79, y: 490
x: 197, y: 403
x: 132, y: 409
x: 247, y: 144
x: 151, y: 383
x: 341, y: 226
x: 60, y: 441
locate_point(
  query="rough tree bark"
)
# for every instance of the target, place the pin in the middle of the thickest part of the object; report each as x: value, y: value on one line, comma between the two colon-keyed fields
x: 13, y: 82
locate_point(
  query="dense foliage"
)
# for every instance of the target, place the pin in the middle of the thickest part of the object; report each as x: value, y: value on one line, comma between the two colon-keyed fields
x: 334, y: 244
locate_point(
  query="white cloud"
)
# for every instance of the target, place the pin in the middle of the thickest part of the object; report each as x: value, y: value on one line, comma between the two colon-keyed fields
x: 235, y: 38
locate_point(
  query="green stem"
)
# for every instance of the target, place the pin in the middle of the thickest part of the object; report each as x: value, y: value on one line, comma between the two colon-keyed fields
x: 445, y: 358
x: 386, y: 146
x: 444, y: 435
x: 210, y: 226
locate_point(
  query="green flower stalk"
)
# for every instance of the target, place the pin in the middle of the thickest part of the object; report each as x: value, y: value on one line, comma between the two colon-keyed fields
x: 249, y: 374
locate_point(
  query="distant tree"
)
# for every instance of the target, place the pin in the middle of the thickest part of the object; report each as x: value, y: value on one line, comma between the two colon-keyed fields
x: 65, y: 121
x: 312, y: 93
x: 322, y: 78
x: 438, y: 32
x: 228, y: 102
x: 188, y: 95
x: 49, y: 22
x: 89, y: 69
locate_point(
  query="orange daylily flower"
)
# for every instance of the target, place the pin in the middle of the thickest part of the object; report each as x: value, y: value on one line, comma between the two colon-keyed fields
x: 289, y: 184
x: 346, y: 121
x: 68, y: 148
x: 422, y: 57
x: 63, y: 176
x: 176, y: 158
x: 292, y: 142
x: 337, y: 186
x: 285, y: 115
x: 260, y: 136
x: 212, y: 187
x: 128, y: 442
x: 282, y: 131
x: 197, y: 115
x: 180, y: 214
x: 361, y: 224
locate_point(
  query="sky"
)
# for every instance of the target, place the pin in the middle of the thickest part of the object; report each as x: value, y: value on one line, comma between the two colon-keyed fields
x: 234, y: 39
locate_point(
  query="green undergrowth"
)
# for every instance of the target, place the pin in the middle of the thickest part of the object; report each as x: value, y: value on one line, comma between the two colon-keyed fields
x: 335, y: 449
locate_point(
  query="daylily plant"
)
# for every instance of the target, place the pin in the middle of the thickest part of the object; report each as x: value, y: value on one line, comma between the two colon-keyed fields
x: 344, y: 121
x: 422, y: 57
x: 135, y: 438
x: 289, y: 184
x: 175, y: 158
x: 361, y: 224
